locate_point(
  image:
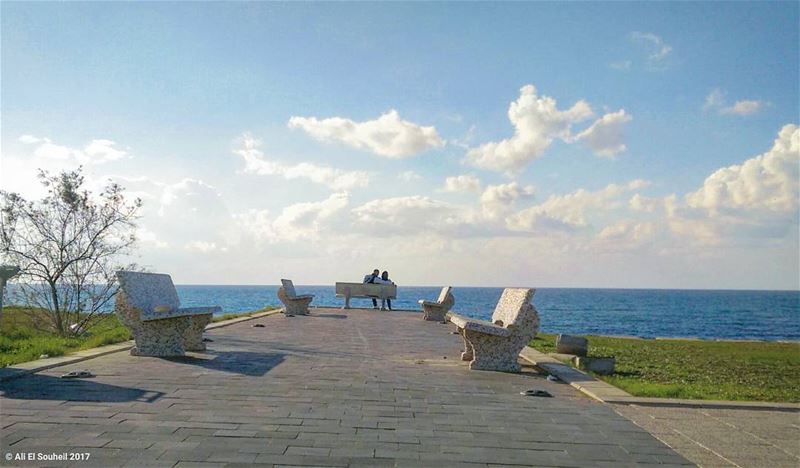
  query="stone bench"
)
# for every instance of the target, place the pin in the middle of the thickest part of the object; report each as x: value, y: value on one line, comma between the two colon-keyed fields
x: 496, y: 345
x: 366, y: 290
x: 292, y: 303
x: 437, y: 311
x: 148, y: 304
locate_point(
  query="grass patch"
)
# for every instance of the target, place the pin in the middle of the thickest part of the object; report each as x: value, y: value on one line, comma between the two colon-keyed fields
x: 25, y: 335
x: 706, y: 370
x: 223, y: 317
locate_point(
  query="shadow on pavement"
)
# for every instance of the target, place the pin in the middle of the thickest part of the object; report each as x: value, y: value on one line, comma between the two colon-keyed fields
x: 46, y: 387
x: 288, y: 349
x: 236, y: 362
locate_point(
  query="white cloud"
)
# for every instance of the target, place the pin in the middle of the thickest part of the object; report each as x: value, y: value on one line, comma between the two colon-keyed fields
x: 307, y: 220
x: 389, y: 217
x: 752, y: 202
x: 409, y: 176
x: 190, y: 207
x: 497, y: 199
x: 462, y: 183
x: 506, y: 193
x: 638, y: 184
x: 537, y: 122
x: 657, y: 50
x: 388, y: 135
x: 627, y: 231
x: 746, y: 107
x: 29, y: 139
x: 716, y: 100
x: 643, y: 204
x: 94, y: 152
x: 148, y: 238
x: 336, y: 179
x: 202, y: 246
x: 258, y: 224
x: 569, y: 212
x: 768, y: 182
x: 103, y: 150
x: 49, y: 150
x: 605, y: 137
x: 19, y: 172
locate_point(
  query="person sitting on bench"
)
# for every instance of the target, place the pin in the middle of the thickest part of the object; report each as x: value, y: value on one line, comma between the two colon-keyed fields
x: 371, y: 279
x: 384, y: 279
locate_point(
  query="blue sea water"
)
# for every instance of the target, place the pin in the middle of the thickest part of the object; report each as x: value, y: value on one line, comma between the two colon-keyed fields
x: 759, y: 315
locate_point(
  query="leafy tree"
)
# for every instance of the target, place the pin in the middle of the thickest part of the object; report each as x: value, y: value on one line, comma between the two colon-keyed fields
x: 69, y: 246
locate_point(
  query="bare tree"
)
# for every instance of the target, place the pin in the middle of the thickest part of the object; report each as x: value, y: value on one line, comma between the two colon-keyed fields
x: 68, y: 245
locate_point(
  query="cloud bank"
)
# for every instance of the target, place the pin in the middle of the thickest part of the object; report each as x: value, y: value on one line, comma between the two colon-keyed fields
x: 336, y: 179
x: 388, y: 135
x: 537, y: 123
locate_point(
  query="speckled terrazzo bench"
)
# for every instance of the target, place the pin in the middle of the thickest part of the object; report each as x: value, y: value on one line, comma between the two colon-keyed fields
x: 496, y: 345
x: 292, y: 303
x: 436, y: 311
x: 366, y: 290
x: 148, y: 304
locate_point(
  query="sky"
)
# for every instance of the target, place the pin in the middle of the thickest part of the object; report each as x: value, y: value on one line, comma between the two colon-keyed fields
x: 616, y: 145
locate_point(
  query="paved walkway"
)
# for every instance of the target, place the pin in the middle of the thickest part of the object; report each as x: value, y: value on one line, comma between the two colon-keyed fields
x: 724, y: 437
x: 708, y: 433
x: 354, y: 388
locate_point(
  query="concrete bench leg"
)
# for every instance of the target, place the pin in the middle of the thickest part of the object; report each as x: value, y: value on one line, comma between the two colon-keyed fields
x: 494, y: 353
x: 193, y: 339
x: 346, y: 302
x: 433, y: 313
x: 297, y: 306
x: 161, y: 337
x: 469, y: 352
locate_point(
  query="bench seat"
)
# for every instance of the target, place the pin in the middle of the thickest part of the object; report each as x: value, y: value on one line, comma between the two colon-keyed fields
x: 180, y: 312
x: 480, y: 326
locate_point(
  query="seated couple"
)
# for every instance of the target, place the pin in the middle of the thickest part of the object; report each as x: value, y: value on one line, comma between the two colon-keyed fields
x: 379, y: 278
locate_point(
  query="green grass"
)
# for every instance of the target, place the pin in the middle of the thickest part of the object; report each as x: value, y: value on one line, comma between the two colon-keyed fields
x: 708, y: 370
x: 24, y: 334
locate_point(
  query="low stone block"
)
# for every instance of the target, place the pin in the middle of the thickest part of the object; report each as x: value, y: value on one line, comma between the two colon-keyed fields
x: 598, y: 365
x: 568, y: 344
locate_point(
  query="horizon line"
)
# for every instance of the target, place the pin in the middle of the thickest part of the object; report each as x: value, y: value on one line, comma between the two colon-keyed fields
x: 540, y: 287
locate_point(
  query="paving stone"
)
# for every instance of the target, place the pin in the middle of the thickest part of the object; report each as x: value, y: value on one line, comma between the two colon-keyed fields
x: 130, y: 443
x: 234, y: 433
x: 318, y: 451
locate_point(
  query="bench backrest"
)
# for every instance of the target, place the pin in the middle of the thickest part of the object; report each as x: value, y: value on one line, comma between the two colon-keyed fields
x: 443, y: 294
x: 387, y: 291
x: 146, y: 291
x: 513, y: 304
x: 288, y: 287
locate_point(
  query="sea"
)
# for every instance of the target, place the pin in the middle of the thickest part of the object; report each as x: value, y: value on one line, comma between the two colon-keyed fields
x: 646, y: 313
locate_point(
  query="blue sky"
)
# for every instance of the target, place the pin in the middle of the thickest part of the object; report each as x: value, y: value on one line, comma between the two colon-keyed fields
x: 169, y: 92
